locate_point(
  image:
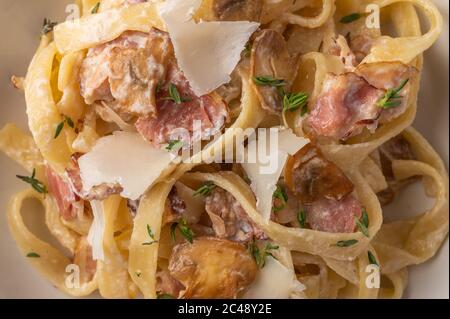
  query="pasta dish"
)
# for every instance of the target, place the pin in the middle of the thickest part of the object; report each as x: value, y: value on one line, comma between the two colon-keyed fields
x: 228, y: 148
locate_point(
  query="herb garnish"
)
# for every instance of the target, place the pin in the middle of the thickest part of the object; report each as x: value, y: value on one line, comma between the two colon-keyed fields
x: 160, y: 295
x: 372, y: 259
x: 281, y: 195
x: 301, y: 217
x: 151, y: 235
x: 293, y: 101
x: 205, y: 189
x: 175, y: 95
x: 48, y: 26
x: 174, y: 145
x: 268, y: 81
x: 392, y: 98
x: 60, y: 126
x: 260, y: 255
x: 248, y: 50
x: 184, y: 229
x: 36, y: 184
x: 346, y: 243
x: 350, y: 18
x: 363, y: 223
x: 95, y: 8
x: 33, y: 255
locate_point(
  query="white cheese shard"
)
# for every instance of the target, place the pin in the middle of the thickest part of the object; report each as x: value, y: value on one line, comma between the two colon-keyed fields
x: 124, y: 158
x: 95, y: 235
x: 265, y: 173
x: 207, y: 52
x: 274, y: 281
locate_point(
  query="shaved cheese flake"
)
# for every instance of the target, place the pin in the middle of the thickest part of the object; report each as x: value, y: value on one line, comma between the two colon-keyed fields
x: 274, y: 281
x: 123, y: 158
x: 207, y: 52
x: 95, y: 235
x: 265, y: 173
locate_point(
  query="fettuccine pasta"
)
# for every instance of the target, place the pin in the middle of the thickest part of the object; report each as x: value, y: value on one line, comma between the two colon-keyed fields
x: 143, y: 117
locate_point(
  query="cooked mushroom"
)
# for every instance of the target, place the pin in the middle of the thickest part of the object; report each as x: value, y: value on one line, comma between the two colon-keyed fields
x: 237, y: 10
x: 271, y: 59
x: 212, y: 268
x: 311, y: 177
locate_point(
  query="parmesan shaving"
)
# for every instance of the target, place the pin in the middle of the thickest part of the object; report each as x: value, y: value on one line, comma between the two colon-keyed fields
x: 95, y: 235
x: 264, y: 176
x: 274, y: 281
x: 126, y: 159
x: 207, y: 52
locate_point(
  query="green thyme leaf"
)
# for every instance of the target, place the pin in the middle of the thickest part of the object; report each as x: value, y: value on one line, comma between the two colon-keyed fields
x: 36, y: 184
x: 205, y: 189
x: 372, y: 259
x: 346, y: 243
x: 281, y: 195
x: 363, y: 223
x: 47, y: 26
x: 59, y: 129
x: 160, y: 295
x: 301, y: 217
x: 151, y: 235
x: 60, y: 126
x: 350, y: 18
x: 293, y: 101
x: 69, y: 122
x: 184, y: 229
x: 258, y: 254
x: 175, y: 95
x: 174, y: 145
x: 268, y: 81
x: 33, y: 255
x: 173, y: 231
x: 248, y: 50
x: 95, y: 8
x: 392, y: 98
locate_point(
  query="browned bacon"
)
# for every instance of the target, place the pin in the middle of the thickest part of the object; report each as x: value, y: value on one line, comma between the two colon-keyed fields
x: 229, y: 219
x: 69, y: 203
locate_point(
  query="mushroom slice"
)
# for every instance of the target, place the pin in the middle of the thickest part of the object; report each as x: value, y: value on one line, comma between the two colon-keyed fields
x: 271, y: 59
x: 311, y: 177
x: 237, y: 10
x: 212, y: 268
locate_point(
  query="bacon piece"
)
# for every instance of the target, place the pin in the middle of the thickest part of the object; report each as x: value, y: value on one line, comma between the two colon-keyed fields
x: 329, y: 215
x: 176, y: 121
x: 360, y: 45
x: 69, y: 203
x: 339, y: 47
x: 229, y: 219
x: 348, y: 102
x: 99, y: 192
x: 310, y: 176
x: 389, y: 75
x: 271, y: 58
x: 125, y: 72
x: 83, y: 258
x: 346, y: 106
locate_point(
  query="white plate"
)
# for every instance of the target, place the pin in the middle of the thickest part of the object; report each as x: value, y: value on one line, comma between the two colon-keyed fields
x: 20, y: 24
